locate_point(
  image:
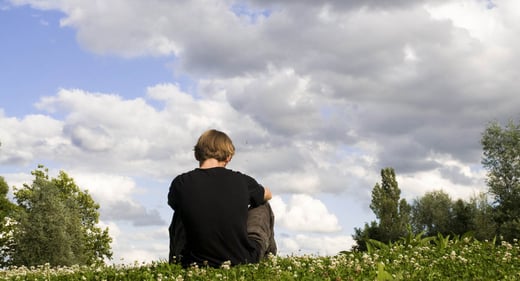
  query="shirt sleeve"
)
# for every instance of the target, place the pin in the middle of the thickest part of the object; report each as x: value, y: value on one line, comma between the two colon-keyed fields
x: 172, y: 193
x: 256, y: 192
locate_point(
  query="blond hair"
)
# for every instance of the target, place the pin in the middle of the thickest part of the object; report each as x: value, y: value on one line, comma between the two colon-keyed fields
x: 214, y: 144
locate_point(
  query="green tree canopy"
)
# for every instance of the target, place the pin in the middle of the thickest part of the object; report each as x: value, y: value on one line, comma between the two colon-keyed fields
x: 436, y: 212
x: 501, y: 158
x: 483, y: 222
x: 392, y: 211
x: 57, y: 224
x: 432, y: 213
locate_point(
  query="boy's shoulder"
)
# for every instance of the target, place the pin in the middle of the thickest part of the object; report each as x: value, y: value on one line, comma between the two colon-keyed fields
x: 215, y: 171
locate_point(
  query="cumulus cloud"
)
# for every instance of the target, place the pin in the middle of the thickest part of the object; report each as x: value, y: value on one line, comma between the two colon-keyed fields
x: 115, y: 194
x: 131, y: 211
x: 400, y: 75
x: 132, y: 135
x: 304, y: 213
x: 144, y: 245
x: 36, y: 136
x: 95, y: 139
x: 415, y: 186
x: 323, y: 245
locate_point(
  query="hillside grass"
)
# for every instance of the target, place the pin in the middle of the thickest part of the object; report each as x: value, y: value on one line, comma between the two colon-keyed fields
x: 420, y: 259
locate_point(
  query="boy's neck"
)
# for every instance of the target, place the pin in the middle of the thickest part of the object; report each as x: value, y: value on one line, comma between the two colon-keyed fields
x: 212, y: 163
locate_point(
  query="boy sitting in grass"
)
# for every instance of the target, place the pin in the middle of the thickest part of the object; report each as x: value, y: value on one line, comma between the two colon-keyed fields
x: 220, y: 215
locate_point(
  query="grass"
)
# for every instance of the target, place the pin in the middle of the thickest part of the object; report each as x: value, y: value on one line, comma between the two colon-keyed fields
x: 442, y: 259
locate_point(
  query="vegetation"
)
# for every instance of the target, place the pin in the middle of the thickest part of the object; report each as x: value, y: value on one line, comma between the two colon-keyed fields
x: 53, y: 222
x: 6, y: 223
x: 393, y: 213
x: 502, y: 160
x: 411, y: 258
x: 433, y: 213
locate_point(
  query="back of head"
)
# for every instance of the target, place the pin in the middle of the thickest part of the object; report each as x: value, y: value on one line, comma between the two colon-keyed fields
x: 214, y: 144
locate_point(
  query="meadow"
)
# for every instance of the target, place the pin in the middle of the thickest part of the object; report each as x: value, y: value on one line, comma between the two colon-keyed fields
x: 437, y: 258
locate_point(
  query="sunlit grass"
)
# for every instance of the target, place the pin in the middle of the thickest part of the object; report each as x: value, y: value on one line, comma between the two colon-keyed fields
x: 459, y: 259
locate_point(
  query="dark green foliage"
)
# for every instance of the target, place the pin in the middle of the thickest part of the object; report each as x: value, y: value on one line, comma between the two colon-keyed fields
x: 436, y: 213
x: 501, y: 158
x: 56, y: 224
x: 371, y: 231
x: 463, y: 214
x: 432, y: 213
x: 484, y: 225
x: 45, y: 230
x: 392, y: 212
x: 7, y: 208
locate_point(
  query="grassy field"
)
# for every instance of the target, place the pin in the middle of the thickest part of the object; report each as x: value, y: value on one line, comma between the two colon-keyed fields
x: 414, y: 259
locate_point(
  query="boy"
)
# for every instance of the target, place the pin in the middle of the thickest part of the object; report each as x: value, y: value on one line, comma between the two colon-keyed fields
x: 220, y: 215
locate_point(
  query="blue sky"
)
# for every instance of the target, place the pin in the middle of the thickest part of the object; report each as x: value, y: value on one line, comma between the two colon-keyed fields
x: 318, y: 98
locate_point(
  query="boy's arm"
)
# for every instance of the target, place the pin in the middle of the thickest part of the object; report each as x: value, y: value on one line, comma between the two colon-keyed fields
x: 267, y: 194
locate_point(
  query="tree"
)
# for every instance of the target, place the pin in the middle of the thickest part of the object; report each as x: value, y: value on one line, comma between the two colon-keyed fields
x: 483, y: 222
x: 462, y: 217
x: 362, y: 235
x: 436, y: 213
x: 392, y: 212
x: 432, y: 214
x: 57, y: 224
x: 6, y: 222
x: 501, y: 158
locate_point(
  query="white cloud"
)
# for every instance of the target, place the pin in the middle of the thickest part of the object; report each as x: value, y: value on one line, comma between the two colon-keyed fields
x: 167, y: 92
x: 36, y: 136
x: 279, y: 99
x: 477, y: 17
x: 95, y: 139
x: 294, y: 181
x: 304, y: 213
x: 131, y: 134
x: 323, y: 245
x: 138, y: 245
x: 115, y: 194
x: 106, y: 187
x: 415, y: 186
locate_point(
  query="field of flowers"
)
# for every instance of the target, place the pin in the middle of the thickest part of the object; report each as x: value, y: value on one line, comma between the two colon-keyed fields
x: 417, y: 259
